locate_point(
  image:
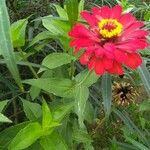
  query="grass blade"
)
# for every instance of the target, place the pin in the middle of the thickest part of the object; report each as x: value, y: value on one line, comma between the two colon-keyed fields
x: 107, y: 93
x: 6, y: 48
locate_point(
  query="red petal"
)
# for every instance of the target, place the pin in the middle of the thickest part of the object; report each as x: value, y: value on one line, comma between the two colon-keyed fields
x: 89, y: 18
x: 109, y: 50
x: 134, y: 60
x: 132, y: 45
x: 99, y: 52
x: 108, y: 63
x: 116, y: 12
x: 99, y: 68
x: 81, y: 43
x: 137, y: 34
x: 92, y: 63
x: 120, y: 56
x: 126, y: 20
x: 79, y: 30
x: 84, y: 58
x: 105, y: 12
x: 116, y: 69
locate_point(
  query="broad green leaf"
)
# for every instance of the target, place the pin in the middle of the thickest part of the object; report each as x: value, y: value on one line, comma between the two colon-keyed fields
x: 60, y: 112
x: 6, y: 48
x: 26, y: 136
x: 81, y: 97
x: 18, y: 32
x: 9, y: 133
x: 41, y: 36
x: 56, y: 26
x: 32, y: 110
x: 3, y: 104
x: 61, y: 12
x: 107, y: 93
x: 145, y: 76
x: 87, y: 78
x: 57, y: 59
x: 34, y: 92
x: 4, y: 118
x: 47, y: 116
x: 72, y: 10
x: 140, y: 146
x: 58, y: 86
x: 53, y: 142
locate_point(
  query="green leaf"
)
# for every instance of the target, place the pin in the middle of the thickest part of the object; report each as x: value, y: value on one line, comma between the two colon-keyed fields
x: 53, y: 142
x: 61, y: 12
x: 81, y: 97
x: 9, y: 133
x: 56, y: 60
x: 60, y: 112
x: 26, y: 136
x: 145, y: 76
x: 32, y: 110
x: 41, y: 36
x: 47, y: 116
x: 72, y: 10
x: 6, y: 48
x: 56, y: 26
x: 34, y: 92
x: 86, y: 77
x: 140, y: 146
x: 3, y: 104
x: 18, y: 32
x: 4, y: 118
x: 58, y: 86
x: 107, y: 93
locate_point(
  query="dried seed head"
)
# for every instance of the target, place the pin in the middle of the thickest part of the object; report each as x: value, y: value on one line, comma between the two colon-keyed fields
x: 123, y: 93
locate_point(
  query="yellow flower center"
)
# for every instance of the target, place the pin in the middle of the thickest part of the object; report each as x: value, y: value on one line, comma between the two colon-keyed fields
x: 110, y: 28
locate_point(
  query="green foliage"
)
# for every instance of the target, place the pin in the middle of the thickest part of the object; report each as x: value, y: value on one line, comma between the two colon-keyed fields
x: 18, y: 33
x: 62, y: 105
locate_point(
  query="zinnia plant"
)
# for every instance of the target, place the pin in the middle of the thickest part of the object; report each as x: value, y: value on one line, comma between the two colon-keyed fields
x: 110, y: 40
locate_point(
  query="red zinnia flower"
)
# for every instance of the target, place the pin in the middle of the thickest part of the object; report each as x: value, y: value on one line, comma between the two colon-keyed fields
x: 110, y: 40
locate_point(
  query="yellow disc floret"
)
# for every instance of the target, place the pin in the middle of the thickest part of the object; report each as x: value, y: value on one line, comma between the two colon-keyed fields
x: 110, y: 28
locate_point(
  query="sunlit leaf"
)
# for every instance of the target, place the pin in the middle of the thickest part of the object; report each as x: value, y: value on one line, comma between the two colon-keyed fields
x: 9, y: 133
x: 18, y: 32
x: 61, y: 12
x: 26, y: 136
x: 4, y: 118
